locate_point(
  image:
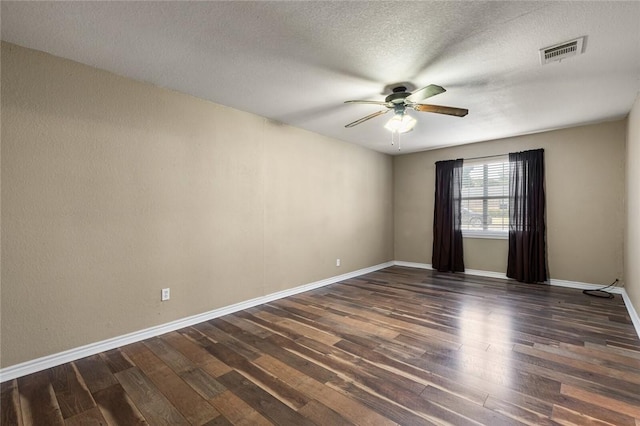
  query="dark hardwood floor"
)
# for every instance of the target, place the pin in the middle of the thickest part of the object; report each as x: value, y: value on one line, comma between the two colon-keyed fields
x: 397, y: 346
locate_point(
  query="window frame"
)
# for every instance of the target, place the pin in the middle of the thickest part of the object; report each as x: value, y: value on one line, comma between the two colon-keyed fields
x: 486, y: 233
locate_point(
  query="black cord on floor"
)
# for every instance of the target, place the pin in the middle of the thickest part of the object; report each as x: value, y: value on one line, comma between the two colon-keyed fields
x: 601, y: 292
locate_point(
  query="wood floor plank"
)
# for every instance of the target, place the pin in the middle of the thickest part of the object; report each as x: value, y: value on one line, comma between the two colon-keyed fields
x: 249, y: 326
x: 306, y: 330
x: 271, y: 346
x: 404, y: 409
x: 395, y: 346
x: 237, y: 411
x: 602, y: 354
x: 192, y: 344
x: 117, y: 408
x: 564, y: 416
x: 603, y: 364
x: 219, y: 421
x: 466, y: 408
x: 590, y: 366
x: 202, y: 383
x: 195, y: 353
x: 116, y: 360
x: 10, y: 413
x: 621, y: 351
x: 71, y: 392
x: 92, y: 417
x: 187, y: 401
x: 284, y: 393
x: 172, y: 357
x: 352, y: 410
x: 320, y: 414
x: 349, y: 408
x: 560, y: 373
x: 96, y: 373
x: 602, y: 401
x: 38, y: 401
x: 184, y: 396
x: 261, y: 401
x: 279, y: 368
x: 605, y: 414
x: 518, y: 412
x: 155, y: 407
x: 360, y: 368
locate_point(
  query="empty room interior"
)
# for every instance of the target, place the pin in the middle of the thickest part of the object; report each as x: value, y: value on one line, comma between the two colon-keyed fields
x: 320, y: 213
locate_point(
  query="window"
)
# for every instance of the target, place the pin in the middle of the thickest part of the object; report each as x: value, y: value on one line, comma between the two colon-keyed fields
x: 485, y: 197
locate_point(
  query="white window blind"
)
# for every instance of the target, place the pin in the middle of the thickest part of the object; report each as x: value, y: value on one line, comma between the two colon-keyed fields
x: 485, y: 197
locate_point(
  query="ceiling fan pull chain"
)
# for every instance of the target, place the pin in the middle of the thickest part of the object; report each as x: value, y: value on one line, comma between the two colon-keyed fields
x: 395, y: 139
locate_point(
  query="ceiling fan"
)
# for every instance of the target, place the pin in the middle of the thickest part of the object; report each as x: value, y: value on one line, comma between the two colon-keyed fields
x: 400, y: 100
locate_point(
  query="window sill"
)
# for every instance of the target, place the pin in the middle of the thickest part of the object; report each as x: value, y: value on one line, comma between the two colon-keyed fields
x: 486, y: 235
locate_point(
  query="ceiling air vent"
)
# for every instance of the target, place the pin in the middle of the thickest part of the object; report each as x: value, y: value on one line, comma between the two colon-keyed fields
x: 561, y: 51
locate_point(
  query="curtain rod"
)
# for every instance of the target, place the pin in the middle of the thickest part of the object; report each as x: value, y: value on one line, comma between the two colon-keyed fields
x: 477, y: 158
x: 494, y: 156
x: 499, y: 155
x: 486, y: 156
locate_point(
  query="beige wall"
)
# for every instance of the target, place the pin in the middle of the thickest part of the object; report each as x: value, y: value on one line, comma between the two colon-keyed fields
x: 113, y: 189
x: 632, y: 240
x: 584, y: 187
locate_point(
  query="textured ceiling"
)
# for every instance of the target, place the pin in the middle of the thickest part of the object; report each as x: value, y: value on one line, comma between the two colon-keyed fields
x: 296, y: 62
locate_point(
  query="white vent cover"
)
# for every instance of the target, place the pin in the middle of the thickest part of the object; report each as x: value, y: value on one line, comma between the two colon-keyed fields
x: 561, y: 51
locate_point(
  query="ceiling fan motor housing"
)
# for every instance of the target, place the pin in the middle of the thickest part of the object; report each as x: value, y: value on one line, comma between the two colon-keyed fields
x: 398, y: 96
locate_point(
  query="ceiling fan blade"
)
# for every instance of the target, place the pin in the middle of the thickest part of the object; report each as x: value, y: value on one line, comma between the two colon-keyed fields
x: 367, y: 102
x: 439, y: 109
x: 425, y: 92
x: 368, y: 117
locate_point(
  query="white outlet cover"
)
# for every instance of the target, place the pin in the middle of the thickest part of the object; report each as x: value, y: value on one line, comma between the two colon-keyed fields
x: 166, y: 294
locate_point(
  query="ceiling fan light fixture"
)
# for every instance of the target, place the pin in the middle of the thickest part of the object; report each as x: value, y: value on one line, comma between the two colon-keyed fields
x: 401, y: 123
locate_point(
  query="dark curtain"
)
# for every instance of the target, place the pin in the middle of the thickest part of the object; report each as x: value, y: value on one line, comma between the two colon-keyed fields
x: 527, y: 230
x: 447, y: 235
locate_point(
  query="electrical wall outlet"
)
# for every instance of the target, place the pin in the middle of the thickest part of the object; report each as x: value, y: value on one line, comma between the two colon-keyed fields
x: 166, y: 294
x: 337, y: 262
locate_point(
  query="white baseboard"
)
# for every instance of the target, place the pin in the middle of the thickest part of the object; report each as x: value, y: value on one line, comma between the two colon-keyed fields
x: 39, y: 364
x: 584, y: 286
x: 478, y: 272
x: 489, y: 274
x: 412, y: 264
x: 635, y: 319
x: 554, y: 282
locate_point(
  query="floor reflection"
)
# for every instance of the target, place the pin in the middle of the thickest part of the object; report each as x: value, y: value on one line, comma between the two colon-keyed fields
x: 486, y: 341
